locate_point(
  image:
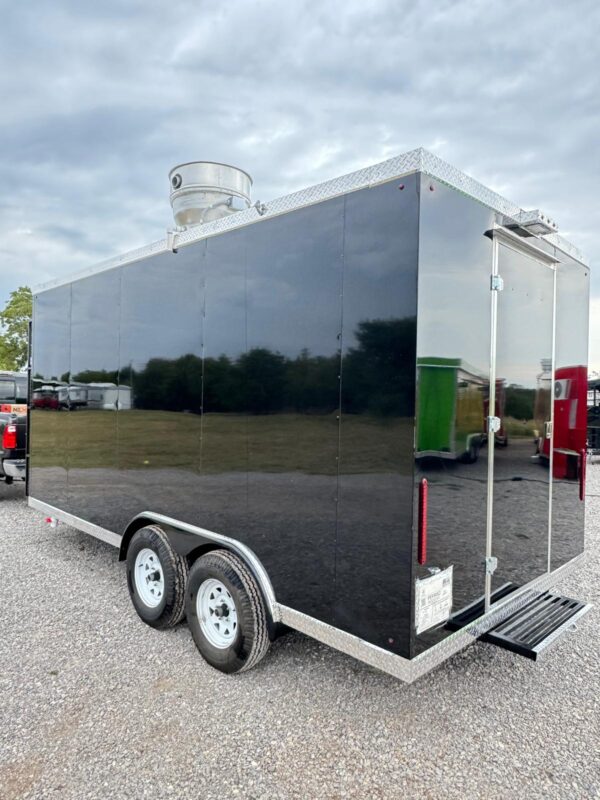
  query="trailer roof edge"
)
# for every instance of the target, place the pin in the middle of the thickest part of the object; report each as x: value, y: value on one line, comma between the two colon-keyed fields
x: 419, y: 160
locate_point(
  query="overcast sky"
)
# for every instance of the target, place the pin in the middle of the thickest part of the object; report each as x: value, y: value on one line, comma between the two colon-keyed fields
x: 99, y: 100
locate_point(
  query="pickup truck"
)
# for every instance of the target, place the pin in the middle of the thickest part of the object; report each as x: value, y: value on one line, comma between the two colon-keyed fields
x: 13, y: 432
x: 13, y: 425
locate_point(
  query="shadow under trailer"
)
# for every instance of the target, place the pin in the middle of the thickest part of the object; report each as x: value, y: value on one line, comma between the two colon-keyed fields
x: 281, y: 416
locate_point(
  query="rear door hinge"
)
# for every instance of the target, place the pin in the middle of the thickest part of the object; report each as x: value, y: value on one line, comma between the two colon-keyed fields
x: 491, y: 562
x: 496, y: 283
x: 493, y: 424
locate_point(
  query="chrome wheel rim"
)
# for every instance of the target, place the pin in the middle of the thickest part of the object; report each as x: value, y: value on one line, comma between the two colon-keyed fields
x: 217, y: 613
x: 149, y: 577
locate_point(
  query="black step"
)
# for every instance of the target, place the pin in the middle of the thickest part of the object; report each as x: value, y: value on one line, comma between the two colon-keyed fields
x: 537, y: 624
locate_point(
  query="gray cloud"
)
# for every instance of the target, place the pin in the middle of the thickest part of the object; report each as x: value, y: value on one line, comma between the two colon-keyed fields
x: 99, y: 101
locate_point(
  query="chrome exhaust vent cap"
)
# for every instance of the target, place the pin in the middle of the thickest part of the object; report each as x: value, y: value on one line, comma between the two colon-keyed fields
x: 202, y: 191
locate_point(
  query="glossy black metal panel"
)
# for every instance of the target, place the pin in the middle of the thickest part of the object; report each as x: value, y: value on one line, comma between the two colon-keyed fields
x: 570, y: 410
x: 524, y: 368
x: 160, y: 358
x: 291, y: 371
x: 373, y: 564
x: 49, y: 397
x: 223, y: 498
x: 453, y: 363
x: 94, y: 391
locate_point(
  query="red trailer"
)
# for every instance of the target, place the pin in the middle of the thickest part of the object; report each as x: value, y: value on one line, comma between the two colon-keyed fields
x: 569, y: 423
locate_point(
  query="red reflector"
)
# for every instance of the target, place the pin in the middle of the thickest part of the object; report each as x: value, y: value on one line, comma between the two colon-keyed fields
x: 423, y: 489
x: 9, y: 437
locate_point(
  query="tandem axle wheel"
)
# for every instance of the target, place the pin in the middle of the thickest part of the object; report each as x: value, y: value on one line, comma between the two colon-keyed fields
x: 219, y: 596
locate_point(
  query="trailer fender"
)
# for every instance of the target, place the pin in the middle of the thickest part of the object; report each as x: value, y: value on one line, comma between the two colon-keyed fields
x: 192, y: 540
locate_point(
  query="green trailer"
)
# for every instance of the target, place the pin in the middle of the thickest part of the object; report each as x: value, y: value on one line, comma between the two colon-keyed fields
x: 450, y: 416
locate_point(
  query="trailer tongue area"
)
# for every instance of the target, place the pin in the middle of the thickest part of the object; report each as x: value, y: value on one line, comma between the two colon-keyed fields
x: 539, y: 622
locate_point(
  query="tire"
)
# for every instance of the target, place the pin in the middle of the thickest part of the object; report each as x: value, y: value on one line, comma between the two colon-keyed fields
x: 160, y: 603
x: 237, y: 638
x: 472, y: 454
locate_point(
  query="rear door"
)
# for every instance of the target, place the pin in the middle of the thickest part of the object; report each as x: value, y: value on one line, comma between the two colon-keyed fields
x: 570, y: 412
x: 519, y: 489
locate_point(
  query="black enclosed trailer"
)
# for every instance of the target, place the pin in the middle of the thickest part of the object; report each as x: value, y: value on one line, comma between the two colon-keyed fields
x: 263, y: 469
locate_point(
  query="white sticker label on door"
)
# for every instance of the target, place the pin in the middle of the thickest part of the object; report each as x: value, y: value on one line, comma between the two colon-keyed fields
x: 433, y: 600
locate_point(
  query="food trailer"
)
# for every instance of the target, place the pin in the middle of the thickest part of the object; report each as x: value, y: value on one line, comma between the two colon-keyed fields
x: 450, y: 412
x: 282, y: 360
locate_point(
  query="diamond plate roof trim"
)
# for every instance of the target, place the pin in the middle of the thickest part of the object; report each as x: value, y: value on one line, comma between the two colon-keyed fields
x: 418, y: 160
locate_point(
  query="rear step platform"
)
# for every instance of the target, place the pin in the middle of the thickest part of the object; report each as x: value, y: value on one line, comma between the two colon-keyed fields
x: 535, y: 626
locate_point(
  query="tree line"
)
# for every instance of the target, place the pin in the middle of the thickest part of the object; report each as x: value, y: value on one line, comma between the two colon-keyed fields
x: 378, y: 378
x: 14, y: 330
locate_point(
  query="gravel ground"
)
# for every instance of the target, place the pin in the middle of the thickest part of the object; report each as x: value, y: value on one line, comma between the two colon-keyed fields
x: 96, y: 705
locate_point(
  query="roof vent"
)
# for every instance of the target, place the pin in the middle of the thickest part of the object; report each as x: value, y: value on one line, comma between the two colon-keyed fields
x: 202, y: 191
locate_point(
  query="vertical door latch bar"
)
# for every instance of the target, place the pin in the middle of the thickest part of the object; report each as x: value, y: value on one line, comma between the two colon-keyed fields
x: 496, y: 283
